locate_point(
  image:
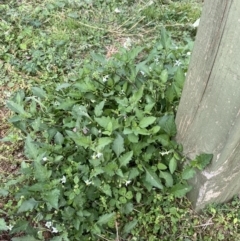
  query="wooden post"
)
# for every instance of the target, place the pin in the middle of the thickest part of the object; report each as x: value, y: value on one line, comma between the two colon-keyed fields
x: 208, y: 117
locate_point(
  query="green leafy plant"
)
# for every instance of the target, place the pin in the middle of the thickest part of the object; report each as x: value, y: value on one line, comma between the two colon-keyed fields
x: 98, y: 144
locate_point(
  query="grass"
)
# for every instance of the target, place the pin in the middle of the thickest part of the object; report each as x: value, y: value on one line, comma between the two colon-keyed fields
x: 44, y: 42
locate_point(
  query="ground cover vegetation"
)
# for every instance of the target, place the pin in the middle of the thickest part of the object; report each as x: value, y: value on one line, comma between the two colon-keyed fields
x: 89, y: 93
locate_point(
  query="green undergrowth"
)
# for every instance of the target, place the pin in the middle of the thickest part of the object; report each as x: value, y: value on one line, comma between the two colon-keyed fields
x: 93, y: 87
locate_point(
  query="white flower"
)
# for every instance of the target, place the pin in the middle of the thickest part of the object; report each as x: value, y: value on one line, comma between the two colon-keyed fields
x: 127, y: 182
x: 48, y: 224
x: 63, y: 180
x: 142, y: 72
x: 105, y: 78
x: 156, y: 60
x: 177, y: 63
x: 10, y: 227
x: 74, y: 129
x: 54, y: 230
x: 196, y: 23
x: 88, y: 182
x: 99, y: 154
x: 117, y: 10
x: 188, y: 53
x: 127, y: 43
x: 44, y: 159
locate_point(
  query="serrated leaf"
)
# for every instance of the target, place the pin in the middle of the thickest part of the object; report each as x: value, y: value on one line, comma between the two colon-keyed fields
x: 172, y: 165
x: 25, y: 238
x: 180, y: 190
x: 3, y: 225
x: 118, y: 145
x: 153, y: 179
x: 58, y: 138
x: 125, y: 158
x: 98, y: 110
x: 129, y: 226
x: 170, y: 93
x: 167, y: 177
x: 188, y: 173
x: 105, y: 218
x: 167, y: 123
x: 80, y: 140
x: 203, y: 160
x: 147, y: 121
x: 41, y: 172
x: 31, y: 150
x: 17, y: 108
x: 103, y: 121
x: 27, y: 205
x: 164, y: 76
x: 103, y: 141
x: 39, y: 92
x: 52, y: 197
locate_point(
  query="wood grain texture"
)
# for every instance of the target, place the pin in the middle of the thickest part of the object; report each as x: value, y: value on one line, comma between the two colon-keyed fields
x: 208, y: 118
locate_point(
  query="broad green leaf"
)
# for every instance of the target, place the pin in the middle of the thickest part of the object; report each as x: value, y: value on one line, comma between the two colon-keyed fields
x: 146, y: 121
x: 42, y: 174
x: 125, y: 158
x: 39, y: 92
x: 20, y: 226
x: 3, y: 225
x: 17, y: 108
x: 203, y: 160
x: 164, y: 140
x: 133, y: 173
x: 170, y: 93
x: 118, y: 145
x: 52, y: 197
x: 98, y: 110
x: 31, y: 150
x: 58, y: 138
x: 155, y: 130
x: 188, y: 173
x: 133, y: 138
x: 172, y: 165
x: 66, y: 105
x: 167, y: 177
x: 27, y: 205
x: 103, y: 121
x: 137, y: 95
x: 180, y: 190
x: 25, y: 238
x: 179, y: 77
x: 129, y: 226
x: 161, y: 166
x: 148, y: 108
x: 107, y: 190
x: 106, y: 218
x: 153, y: 179
x: 167, y: 123
x: 80, y: 140
x: 103, y: 141
x: 164, y: 76
x: 138, y: 197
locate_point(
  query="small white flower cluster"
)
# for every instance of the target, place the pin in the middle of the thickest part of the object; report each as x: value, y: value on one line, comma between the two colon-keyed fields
x: 88, y: 182
x: 63, y: 180
x: 98, y: 155
x: 10, y: 227
x: 105, y: 78
x: 177, y: 63
x: 49, y: 226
